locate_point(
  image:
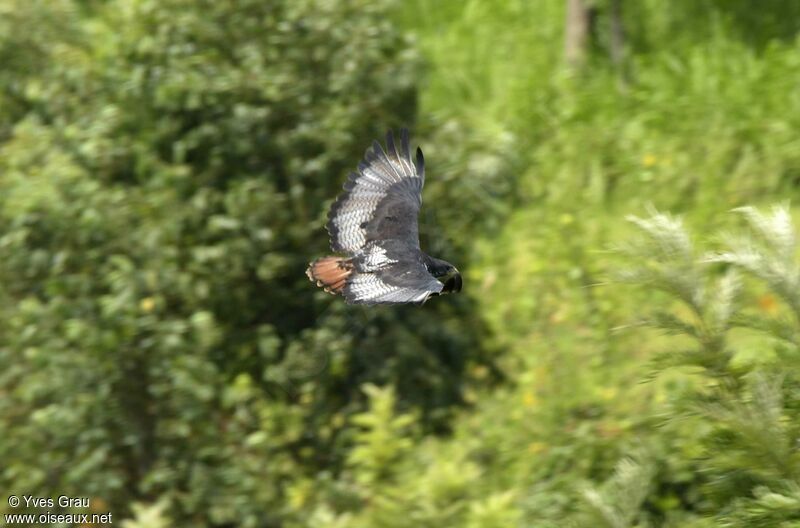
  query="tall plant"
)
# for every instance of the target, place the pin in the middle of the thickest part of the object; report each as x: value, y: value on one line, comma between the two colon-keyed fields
x: 744, y: 409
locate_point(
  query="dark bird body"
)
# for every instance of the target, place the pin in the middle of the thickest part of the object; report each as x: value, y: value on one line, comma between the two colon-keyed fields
x: 374, y: 223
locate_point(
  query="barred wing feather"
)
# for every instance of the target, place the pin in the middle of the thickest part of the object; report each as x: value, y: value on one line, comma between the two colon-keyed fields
x: 381, y: 201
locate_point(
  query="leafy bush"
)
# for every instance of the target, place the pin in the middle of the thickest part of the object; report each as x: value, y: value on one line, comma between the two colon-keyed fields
x: 165, y: 176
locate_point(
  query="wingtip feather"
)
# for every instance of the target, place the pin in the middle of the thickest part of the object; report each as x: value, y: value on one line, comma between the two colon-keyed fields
x: 404, y: 144
x: 375, y: 151
x: 391, y: 150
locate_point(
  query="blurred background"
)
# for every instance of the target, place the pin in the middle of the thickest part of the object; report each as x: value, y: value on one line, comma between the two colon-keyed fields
x: 625, y: 352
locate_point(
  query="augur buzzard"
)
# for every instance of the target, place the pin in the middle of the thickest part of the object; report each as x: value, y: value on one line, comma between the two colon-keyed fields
x: 374, y: 222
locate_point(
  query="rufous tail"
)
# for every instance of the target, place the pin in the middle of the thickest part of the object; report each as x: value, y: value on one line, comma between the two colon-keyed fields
x: 330, y: 273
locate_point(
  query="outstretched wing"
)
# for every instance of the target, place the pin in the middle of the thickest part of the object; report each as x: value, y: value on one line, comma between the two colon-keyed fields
x: 395, y: 280
x: 381, y: 201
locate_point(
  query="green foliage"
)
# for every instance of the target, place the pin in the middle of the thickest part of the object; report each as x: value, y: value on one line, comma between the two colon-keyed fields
x: 714, y: 442
x: 704, y: 124
x: 750, y: 446
x: 670, y: 264
x: 164, y: 174
x: 382, y: 440
x: 165, y: 169
x: 148, y: 516
x: 617, y: 503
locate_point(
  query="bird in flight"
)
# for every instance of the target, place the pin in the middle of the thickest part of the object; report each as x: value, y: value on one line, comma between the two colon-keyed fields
x: 374, y: 223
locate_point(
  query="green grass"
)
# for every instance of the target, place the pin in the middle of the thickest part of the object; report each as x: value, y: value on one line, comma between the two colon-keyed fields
x: 707, y: 122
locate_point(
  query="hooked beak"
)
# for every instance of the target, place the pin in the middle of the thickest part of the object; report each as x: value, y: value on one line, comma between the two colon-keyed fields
x: 452, y: 282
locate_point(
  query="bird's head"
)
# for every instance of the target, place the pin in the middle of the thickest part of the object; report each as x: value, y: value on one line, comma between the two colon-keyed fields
x: 445, y: 273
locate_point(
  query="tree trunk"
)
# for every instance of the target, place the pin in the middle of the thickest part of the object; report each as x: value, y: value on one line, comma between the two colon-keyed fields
x: 577, y: 32
x: 617, y: 43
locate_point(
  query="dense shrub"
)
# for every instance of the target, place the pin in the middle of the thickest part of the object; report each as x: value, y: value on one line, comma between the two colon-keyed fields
x: 164, y: 174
